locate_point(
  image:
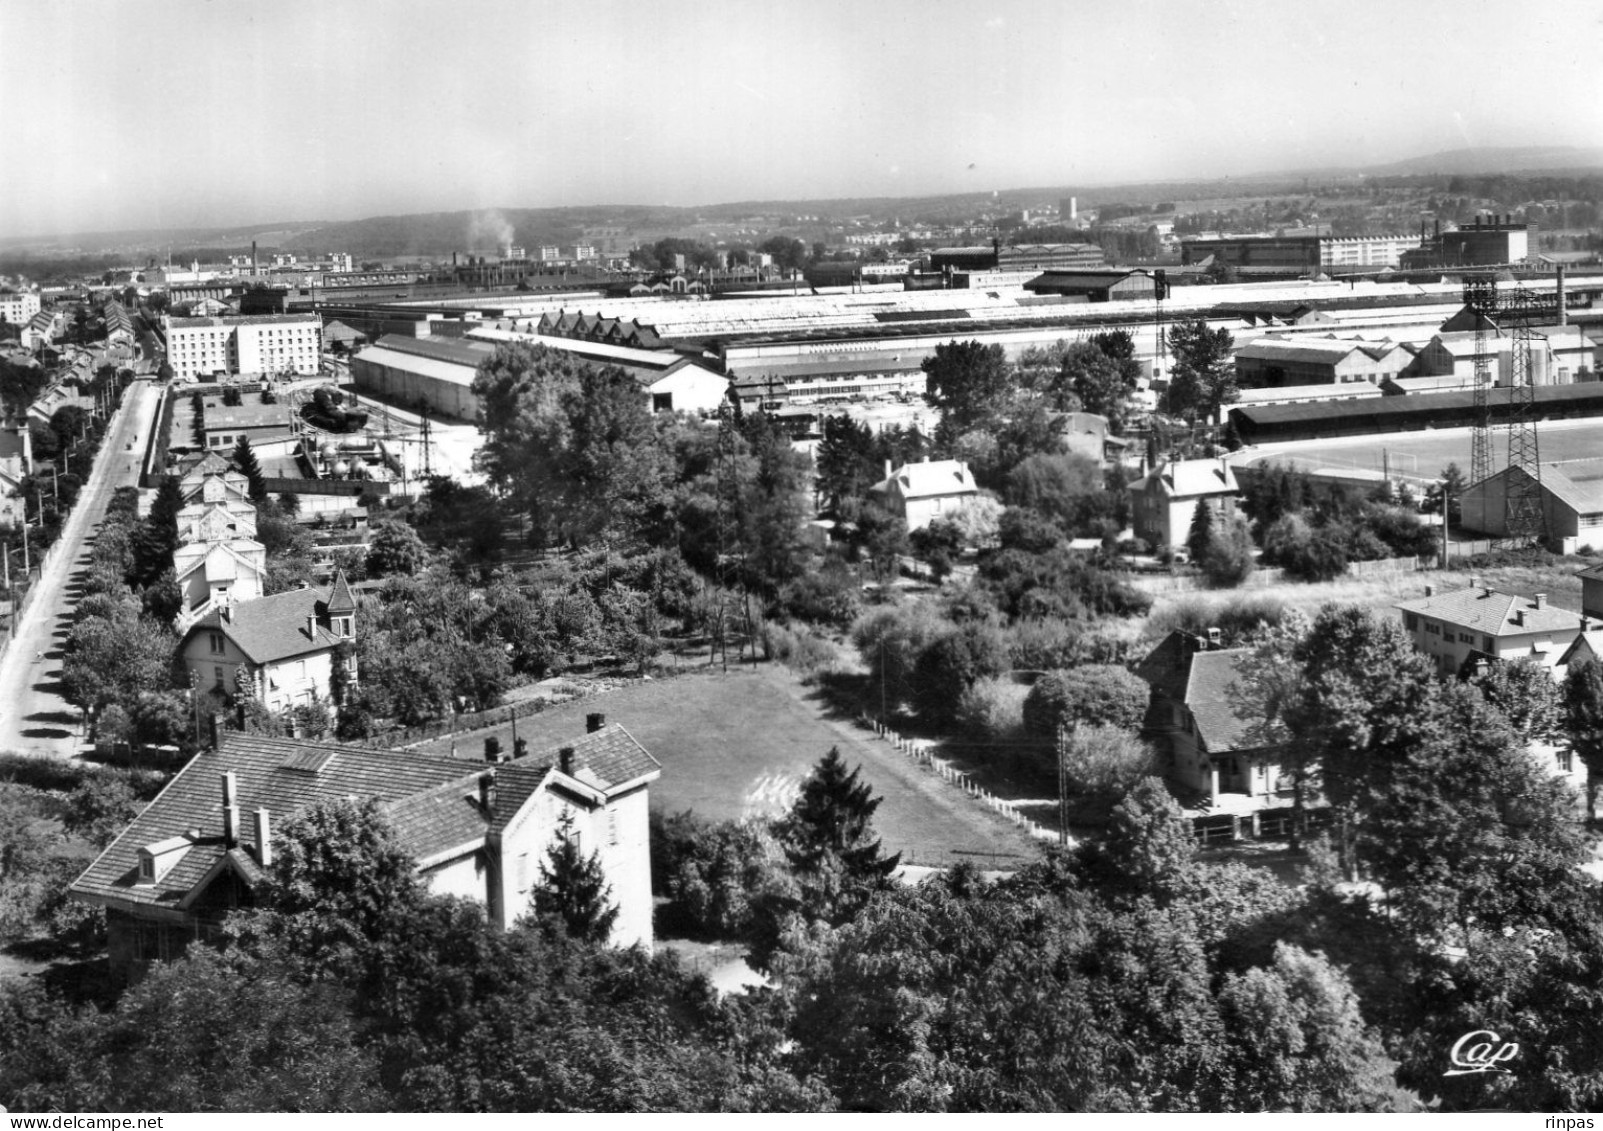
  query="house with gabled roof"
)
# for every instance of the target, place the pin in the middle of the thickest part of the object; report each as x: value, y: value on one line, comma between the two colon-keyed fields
x: 927, y: 490
x: 286, y: 645
x: 202, y: 848
x: 219, y: 572
x: 1164, y: 501
x: 212, y: 479
x: 1209, y: 746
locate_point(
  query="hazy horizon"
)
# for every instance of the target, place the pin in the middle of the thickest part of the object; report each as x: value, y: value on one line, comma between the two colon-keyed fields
x: 185, y: 113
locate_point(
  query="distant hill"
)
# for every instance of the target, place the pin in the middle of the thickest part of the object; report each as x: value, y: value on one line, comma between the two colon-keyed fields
x: 483, y: 231
x: 1524, y: 159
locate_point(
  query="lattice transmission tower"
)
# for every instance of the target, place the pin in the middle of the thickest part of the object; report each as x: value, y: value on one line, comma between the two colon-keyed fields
x: 1516, y: 312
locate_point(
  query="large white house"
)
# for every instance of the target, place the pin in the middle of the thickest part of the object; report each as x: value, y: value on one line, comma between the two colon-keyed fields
x: 483, y: 831
x: 923, y: 492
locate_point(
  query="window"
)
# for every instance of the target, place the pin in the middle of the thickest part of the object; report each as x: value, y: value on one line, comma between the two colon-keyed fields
x: 1411, y: 621
x: 1488, y: 644
x: 217, y: 673
x: 217, y: 643
x: 1564, y: 758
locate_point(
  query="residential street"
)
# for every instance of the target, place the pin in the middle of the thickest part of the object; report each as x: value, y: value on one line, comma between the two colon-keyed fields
x: 35, y: 718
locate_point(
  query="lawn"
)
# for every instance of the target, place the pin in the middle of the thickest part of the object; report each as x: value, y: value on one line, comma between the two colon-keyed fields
x: 739, y: 745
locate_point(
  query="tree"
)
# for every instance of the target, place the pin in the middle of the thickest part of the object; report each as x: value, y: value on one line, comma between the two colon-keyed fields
x: 99, y: 808
x: 1104, y: 763
x: 340, y: 883
x: 829, y: 841
x: 1227, y: 559
x: 1583, y: 723
x: 393, y: 548
x: 1297, y: 1040
x: 1053, y: 485
x: 951, y: 665
x: 1203, y: 375
x: 251, y: 469
x: 845, y: 460
x: 1092, y: 695
x: 1102, y: 383
x: 1201, y: 533
x: 965, y: 381
x: 573, y: 889
x: 1146, y: 852
x: 1451, y: 487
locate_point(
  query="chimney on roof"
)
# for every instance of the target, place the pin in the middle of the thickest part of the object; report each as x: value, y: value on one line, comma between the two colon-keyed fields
x: 487, y: 791
x: 1474, y: 583
x: 1541, y: 600
x: 311, y: 625
x: 264, y: 838
x: 1430, y: 590
x: 230, y: 826
x: 1215, y: 639
x: 888, y: 469
x: 565, y: 760
x: 492, y: 750
x: 594, y: 721
x: 1519, y: 617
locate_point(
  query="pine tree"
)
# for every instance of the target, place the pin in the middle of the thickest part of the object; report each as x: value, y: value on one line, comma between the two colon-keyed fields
x: 829, y: 832
x: 1201, y: 531
x: 574, y: 890
x: 245, y: 460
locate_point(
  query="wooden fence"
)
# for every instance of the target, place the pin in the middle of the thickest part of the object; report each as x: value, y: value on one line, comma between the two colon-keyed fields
x: 918, y: 751
x: 1266, y: 824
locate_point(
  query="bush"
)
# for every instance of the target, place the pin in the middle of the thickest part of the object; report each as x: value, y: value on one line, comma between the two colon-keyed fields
x: 1227, y: 560
x: 797, y: 648
x: 890, y: 642
x: 827, y: 596
x: 714, y: 875
x: 992, y: 709
x: 1093, y: 695
x: 951, y: 665
x: 1303, y: 551
x: 1238, y: 618
x: 1104, y: 763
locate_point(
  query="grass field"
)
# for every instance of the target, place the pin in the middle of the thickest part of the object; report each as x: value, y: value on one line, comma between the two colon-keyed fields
x: 1422, y: 455
x: 739, y: 745
x: 1558, y: 580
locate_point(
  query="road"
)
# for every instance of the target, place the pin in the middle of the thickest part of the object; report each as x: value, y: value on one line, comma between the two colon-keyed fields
x: 35, y: 719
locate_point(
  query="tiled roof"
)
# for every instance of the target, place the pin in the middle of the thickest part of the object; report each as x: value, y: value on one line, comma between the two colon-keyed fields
x: 433, y: 803
x: 1212, y: 701
x: 1190, y: 477
x: 340, y: 598
x: 611, y: 755
x: 1486, y: 611
x: 244, y: 320
x: 931, y: 478
x: 220, y: 559
x: 193, y: 800
x: 273, y: 628
x: 1167, y: 666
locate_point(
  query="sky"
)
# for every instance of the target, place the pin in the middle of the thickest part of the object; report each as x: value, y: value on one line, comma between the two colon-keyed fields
x: 180, y: 113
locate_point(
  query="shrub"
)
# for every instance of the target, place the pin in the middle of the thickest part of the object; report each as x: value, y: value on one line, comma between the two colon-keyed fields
x: 1227, y: 560
x: 1237, y: 618
x: 1093, y: 695
x: 827, y: 596
x: 715, y: 875
x: 992, y: 709
x: 951, y: 665
x: 890, y: 642
x: 1104, y: 763
x: 797, y: 648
